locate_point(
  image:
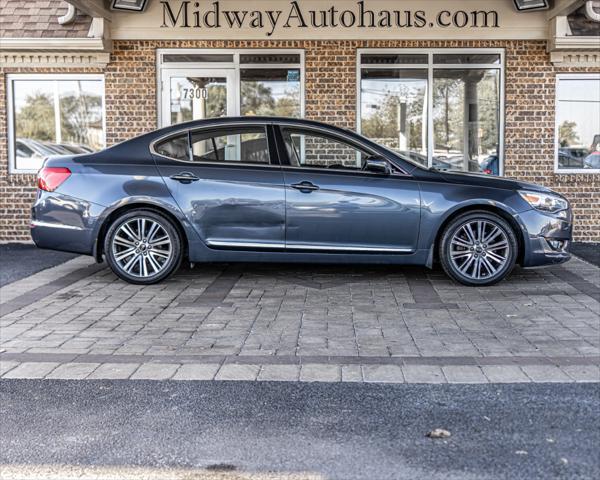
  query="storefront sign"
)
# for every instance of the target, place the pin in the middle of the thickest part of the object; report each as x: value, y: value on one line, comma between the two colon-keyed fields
x: 195, y: 14
x: 330, y: 19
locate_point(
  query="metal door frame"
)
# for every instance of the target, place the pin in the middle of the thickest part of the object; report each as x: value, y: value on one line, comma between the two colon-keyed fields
x: 233, y: 100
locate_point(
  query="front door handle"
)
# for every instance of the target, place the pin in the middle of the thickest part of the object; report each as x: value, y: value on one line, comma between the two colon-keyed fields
x: 184, y: 177
x: 305, y: 187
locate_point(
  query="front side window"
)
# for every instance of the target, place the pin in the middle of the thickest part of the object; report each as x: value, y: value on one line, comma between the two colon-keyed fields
x: 577, y: 123
x: 54, y: 115
x: 241, y: 144
x: 439, y: 109
x: 314, y: 150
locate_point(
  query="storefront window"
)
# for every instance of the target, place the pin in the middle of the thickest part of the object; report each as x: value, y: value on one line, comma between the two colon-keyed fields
x: 445, y: 114
x: 465, y: 118
x: 578, y: 123
x: 394, y: 110
x: 215, y: 84
x: 270, y: 91
x: 53, y: 115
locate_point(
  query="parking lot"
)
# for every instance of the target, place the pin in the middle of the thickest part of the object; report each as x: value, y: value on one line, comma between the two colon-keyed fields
x: 303, y: 323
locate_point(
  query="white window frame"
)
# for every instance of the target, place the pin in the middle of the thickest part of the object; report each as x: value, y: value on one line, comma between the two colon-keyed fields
x: 11, y: 130
x: 559, y: 77
x: 234, y: 65
x: 430, y: 66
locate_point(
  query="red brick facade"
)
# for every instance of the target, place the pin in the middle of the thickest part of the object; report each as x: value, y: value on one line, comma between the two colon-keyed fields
x: 330, y: 96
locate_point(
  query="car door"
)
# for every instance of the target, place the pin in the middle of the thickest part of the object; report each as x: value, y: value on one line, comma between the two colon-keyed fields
x: 332, y: 204
x: 227, y: 183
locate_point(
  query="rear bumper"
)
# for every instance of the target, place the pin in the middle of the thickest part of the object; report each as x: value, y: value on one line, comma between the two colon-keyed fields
x: 547, y: 238
x: 60, y: 222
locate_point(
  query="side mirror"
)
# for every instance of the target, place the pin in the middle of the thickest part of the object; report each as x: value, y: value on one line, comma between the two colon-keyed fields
x: 378, y: 165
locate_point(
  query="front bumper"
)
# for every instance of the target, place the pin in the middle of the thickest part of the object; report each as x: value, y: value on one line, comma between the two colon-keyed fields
x: 546, y: 238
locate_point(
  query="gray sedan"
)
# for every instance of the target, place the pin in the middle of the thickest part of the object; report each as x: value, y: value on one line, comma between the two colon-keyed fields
x: 258, y: 189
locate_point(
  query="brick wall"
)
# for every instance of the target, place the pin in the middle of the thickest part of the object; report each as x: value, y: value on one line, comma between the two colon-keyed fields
x: 330, y: 96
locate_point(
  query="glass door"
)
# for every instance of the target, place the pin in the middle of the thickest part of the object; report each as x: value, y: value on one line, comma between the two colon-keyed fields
x: 196, y: 94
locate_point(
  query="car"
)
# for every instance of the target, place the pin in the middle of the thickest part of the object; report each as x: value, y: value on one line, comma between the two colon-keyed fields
x: 271, y: 189
x: 490, y: 165
x: 27, y: 148
x: 592, y: 160
x: 572, y: 157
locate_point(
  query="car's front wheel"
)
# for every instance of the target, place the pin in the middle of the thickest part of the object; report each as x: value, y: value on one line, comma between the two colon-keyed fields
x: 478, y: 248
x: 143, y: 247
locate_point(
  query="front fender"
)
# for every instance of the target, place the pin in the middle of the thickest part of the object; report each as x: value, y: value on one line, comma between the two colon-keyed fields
x: 440, y: 202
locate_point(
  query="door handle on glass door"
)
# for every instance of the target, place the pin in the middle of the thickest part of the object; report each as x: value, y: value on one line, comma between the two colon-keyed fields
x: 184, y: 177
x: 305, y: 187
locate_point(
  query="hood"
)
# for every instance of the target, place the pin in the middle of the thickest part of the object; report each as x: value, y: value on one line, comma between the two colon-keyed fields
x: 478, y: 179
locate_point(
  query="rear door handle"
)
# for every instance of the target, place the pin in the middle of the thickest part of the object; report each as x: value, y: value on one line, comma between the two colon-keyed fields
x: 184, y: 177
x: 305, y: 187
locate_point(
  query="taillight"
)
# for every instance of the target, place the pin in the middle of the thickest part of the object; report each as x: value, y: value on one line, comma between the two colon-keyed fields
x: 487, y: 171
x: 50, y: 178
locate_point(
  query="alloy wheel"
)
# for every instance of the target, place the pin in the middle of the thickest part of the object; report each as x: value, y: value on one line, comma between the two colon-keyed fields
x: 479, y: 249
x: 142, y: 247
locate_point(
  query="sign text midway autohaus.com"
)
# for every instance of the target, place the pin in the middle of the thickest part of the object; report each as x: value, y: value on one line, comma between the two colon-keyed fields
x: 213, y: 15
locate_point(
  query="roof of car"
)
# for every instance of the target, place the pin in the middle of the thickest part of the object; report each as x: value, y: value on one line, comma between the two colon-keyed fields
x: 251, y: 119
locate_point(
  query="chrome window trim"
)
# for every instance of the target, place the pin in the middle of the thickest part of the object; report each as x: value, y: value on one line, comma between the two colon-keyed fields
x: 189, y: 130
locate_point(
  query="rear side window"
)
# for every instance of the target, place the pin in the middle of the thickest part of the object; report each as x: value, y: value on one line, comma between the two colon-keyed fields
x: 174, y: 147
x: 231, y: 144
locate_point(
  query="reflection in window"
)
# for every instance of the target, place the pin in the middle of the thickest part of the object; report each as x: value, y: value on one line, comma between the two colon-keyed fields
x: 243, y: 144
x: 466, y: 109
x: 197, y: 98
x: 272, y: 91
x: 176, y: 147
x: 55, y: 117
x: 394, y: 110
x: 578, y: 122
x: 307, y: 149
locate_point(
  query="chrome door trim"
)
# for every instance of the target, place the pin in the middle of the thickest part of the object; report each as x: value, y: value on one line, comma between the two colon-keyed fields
x: 225, y: 243
x: 38, y: 223
x: 301, y: 246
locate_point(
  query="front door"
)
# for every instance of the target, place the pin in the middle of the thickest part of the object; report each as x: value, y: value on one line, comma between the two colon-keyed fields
x: 333, y: 205
x: 196, y: 94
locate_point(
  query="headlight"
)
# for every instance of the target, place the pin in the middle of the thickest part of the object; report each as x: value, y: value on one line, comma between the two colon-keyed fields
x: 544, y: 201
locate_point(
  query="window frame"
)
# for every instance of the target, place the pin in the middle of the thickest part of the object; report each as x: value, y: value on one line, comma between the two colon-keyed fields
x: 397, y: 171
x: 235, y: 66
x: 273, y: 152
x: 430, y: 66
x: 559, y: 77
x: 210, y: 131
x: 11, y: 123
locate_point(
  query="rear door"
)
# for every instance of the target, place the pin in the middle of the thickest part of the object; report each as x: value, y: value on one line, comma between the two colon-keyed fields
x: 228, y: 184
x: 332, y: 204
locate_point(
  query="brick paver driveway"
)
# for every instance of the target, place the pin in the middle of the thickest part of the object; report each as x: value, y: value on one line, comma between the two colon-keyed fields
x: 297, y: 322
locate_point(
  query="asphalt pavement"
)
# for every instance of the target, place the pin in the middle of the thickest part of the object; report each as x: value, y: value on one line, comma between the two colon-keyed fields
x: 332, y: 430
x: 20, y: 260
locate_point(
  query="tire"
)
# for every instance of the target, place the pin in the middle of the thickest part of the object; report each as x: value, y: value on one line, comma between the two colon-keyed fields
x: 140, y: 260
x: 467, y: 255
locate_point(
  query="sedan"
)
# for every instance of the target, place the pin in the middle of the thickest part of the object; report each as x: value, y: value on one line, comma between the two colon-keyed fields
x: 256, y: 189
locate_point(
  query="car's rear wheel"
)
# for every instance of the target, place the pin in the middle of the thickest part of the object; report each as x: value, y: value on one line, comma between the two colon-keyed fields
x: 143, y: 247
x: 478, y: 248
